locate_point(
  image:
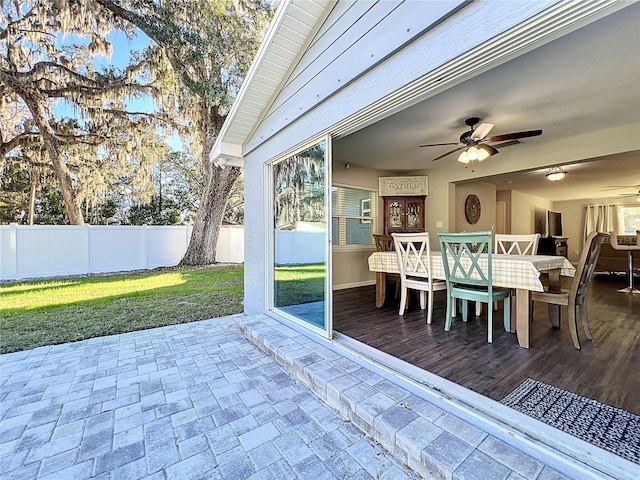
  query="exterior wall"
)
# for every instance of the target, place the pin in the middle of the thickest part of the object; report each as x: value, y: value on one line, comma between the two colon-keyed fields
x: 355, y: 37
x: 255, y: 242
x: 32, y: 251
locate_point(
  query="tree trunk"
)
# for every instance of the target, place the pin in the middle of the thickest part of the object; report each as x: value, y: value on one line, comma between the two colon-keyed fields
x: 34, y: 102
x: 32, y: 199
x: 204, y: 237
x: 74, y: 213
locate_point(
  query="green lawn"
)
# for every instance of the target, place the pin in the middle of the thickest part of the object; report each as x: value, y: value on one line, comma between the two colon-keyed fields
x: 296, y: 284
x: 40, y: 313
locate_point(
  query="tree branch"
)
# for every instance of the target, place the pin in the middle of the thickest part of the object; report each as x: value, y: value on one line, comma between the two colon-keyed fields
x: 21, y: 140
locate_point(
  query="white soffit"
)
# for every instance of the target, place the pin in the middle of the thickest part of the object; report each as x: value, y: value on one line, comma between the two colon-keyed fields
x: 285, y: 40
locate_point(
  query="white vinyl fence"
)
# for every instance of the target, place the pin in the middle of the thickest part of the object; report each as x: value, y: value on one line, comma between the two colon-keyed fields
x: 31, y: 251
x: 299, y: 247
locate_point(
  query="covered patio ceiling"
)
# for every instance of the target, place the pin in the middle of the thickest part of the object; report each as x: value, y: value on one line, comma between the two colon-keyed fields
x: 584, y: 86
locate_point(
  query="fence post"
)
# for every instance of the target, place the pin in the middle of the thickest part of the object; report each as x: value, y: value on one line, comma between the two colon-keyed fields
x: 9, y: 247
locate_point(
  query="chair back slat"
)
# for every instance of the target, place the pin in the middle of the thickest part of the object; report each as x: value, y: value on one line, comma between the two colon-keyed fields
x: 414, y: 254
x: 384, y: 243
x: 516, y: 244
x: 467, y: 258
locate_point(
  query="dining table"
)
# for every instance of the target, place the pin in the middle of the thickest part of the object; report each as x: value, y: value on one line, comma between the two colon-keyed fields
x: 519, y: 272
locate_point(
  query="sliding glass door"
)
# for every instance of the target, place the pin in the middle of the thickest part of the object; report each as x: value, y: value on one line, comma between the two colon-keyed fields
x: 301, y: 285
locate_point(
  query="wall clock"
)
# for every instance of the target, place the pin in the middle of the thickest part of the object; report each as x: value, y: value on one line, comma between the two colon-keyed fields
x: 472, y: 208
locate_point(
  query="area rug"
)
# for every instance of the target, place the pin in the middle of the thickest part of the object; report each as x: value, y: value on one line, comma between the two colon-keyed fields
x: 609, y: 428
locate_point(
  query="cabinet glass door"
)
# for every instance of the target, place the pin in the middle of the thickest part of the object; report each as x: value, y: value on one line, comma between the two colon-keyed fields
x: 413, y: 215
x: 395, y: 215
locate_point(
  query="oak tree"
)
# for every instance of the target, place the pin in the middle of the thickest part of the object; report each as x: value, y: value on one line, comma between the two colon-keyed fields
x: 58, y: 111
x: 210, y: 45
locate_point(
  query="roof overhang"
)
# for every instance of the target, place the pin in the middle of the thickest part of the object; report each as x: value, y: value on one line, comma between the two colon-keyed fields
x: 225, y: 153
x: 285, y: 40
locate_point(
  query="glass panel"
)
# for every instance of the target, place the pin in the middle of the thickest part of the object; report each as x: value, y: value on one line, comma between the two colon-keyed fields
x: 354, y: 212
x: 395, y: 215
x: 359, y: 232
x: 300, y: 235
x: 630, y: 220
x: 413, y: 215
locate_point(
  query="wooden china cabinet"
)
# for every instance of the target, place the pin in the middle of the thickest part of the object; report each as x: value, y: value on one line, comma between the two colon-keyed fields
x: 403, y: 214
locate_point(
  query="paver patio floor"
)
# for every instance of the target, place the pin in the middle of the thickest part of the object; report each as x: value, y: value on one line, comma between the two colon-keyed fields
x: 188, y: 401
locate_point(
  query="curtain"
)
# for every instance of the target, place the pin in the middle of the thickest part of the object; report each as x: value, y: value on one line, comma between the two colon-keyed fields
x: 601, y: 218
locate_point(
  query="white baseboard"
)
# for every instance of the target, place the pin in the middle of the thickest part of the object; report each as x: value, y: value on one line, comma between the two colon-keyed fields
x: 354, y: 285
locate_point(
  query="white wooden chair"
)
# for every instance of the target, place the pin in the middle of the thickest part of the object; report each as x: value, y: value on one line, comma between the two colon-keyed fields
x: 516, y: 244
x: 507, y: 244
x: 414, y: 259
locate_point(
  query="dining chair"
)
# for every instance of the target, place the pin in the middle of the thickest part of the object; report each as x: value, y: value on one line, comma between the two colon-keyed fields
x: 576, y: 296
x: 466, y: 258
x: 384, y: 243
x: 516, y: 244
x: 414, y: 259
x: 509, y: 244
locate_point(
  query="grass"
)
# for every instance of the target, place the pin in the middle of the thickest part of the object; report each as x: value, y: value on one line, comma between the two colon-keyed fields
x: 39, y: 313
x: 296, y: 284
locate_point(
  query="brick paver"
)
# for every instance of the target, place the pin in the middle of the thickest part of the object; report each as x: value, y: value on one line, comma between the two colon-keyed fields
x: 196, y: 400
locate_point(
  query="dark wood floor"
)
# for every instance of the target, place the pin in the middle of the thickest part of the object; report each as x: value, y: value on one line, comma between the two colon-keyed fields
x: 607, y: 369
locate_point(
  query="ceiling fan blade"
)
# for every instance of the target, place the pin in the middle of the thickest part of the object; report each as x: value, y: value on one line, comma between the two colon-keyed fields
x: 449, y: 153
x: 439, y: 144
x: 512, y: 136
x: 623, y: 195
x: 488, y: 148
x: 618, y: 187
x: 482, y: 131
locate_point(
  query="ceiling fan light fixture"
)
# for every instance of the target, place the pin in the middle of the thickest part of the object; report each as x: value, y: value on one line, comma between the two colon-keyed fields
x: 464, y: 158
x: 555, y: 174
x: 483, y: 154
x: 473, y: 153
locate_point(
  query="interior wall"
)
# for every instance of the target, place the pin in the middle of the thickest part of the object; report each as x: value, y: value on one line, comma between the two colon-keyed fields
x: 486, y: 193
x: 505, y: 196
x: 528, y: 213
x: 350, y: 266
x: 573, y: 212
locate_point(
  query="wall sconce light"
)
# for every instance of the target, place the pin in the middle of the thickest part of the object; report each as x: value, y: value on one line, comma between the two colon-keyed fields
x: 556, y: 174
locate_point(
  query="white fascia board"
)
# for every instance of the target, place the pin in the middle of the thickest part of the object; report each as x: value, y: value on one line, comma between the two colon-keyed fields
x: 225, y: 153
x: 215, y: 156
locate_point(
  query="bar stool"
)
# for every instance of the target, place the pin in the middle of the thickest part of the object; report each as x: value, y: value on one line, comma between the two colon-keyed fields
x: 627, y: 248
